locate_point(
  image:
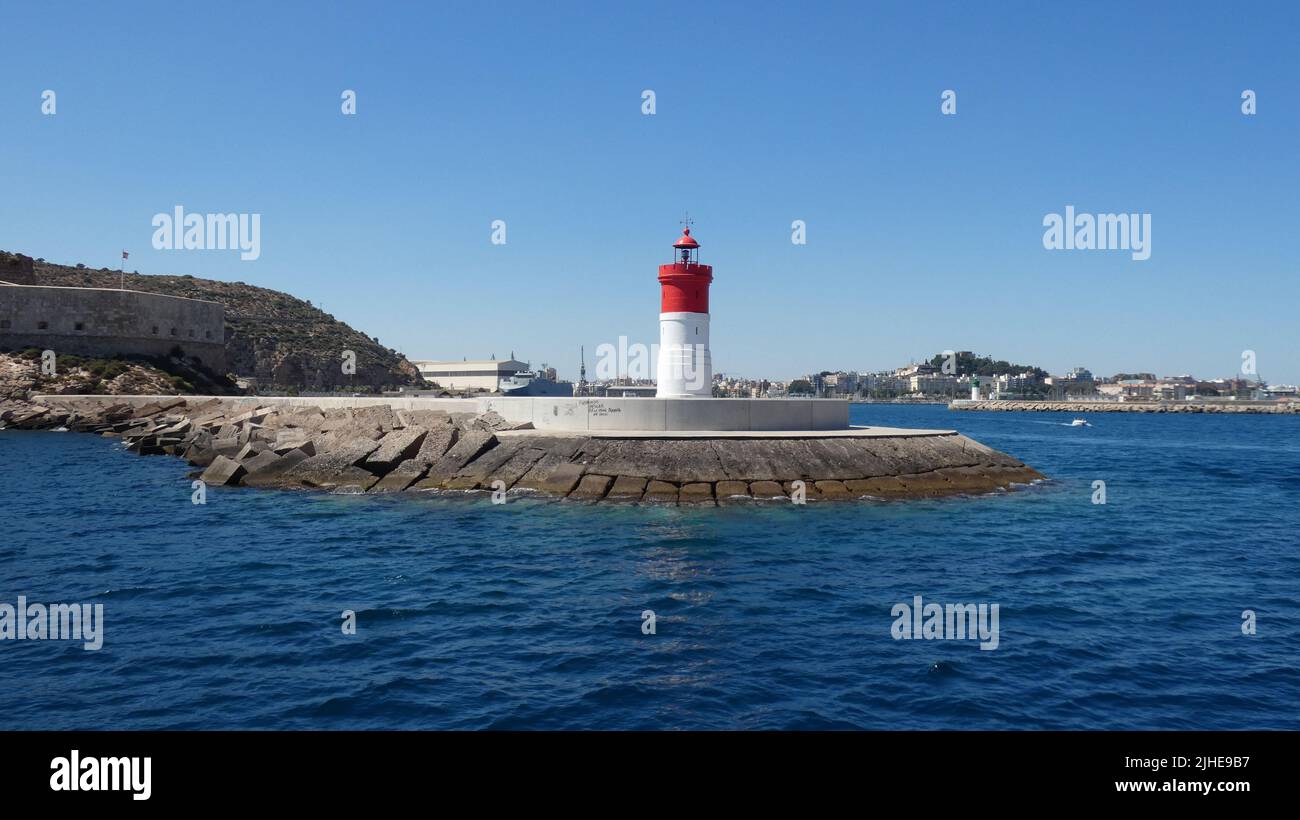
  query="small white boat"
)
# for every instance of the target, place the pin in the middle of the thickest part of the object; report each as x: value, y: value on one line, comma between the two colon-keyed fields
x: 1079, y: 423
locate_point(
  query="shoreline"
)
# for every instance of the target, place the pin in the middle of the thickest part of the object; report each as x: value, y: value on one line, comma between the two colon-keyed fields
x: 1012, y: 405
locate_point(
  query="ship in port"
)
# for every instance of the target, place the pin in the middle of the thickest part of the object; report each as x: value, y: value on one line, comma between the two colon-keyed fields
x: 533, y: 383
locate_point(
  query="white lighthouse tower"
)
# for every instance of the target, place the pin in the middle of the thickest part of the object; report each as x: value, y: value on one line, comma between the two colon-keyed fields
x: 685, y: 365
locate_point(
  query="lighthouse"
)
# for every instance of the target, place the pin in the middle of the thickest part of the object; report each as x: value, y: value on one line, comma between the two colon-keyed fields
x: 685, y: 366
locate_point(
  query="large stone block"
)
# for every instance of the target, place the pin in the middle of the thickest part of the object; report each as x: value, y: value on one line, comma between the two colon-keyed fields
x: 833, y: 490
x: 879, y: 487
x: 627, y: 488
x: 272, y: 474
x: 592, y: 488
x: 336, y: 468
x: 732, y: 491
x: 436, y: 444
x: 481, y: 471
x: 924, y: 485
x: 660, y: 492
x: 518, y: 465
x: 470, y: 445
x: 401, y: 477
x: 394, y: 448
x: 223, y: 471
x: 556, y: 479
x: 260, y: 461
x: 697, y: 493
x: 764, y: 490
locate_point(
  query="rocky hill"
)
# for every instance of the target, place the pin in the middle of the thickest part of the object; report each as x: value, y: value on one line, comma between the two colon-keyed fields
x: 21, y: 376
x: 284, y: 342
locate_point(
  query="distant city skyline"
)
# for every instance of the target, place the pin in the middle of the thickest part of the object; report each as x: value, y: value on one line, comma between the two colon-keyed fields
x: 924, y: 231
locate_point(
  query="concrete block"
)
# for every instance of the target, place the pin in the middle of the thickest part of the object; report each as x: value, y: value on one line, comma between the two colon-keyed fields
x: 592, y: 487
x: 660, y: 492
x: 394, y: 448
x: 559, y: 479
x: 260, y: 461
x: 402, y: 476
x: 766, y: 489
x: 271, y: 474
x: 627, y: 488
x: 704, y: 414
x: 697, y: 493
x: 734, y: 490
x: 223, y: 471
x: 625, y: 414
x: 780, y: 414
x: 833, y: 490
x: 559, y: 414
x: 829, y: 414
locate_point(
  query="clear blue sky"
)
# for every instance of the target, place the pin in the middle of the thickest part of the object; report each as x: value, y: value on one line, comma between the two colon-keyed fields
x: 924, y: 231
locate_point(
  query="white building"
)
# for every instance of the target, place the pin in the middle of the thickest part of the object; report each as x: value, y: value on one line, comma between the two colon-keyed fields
x: 469, y: 374
x: 935, y: 384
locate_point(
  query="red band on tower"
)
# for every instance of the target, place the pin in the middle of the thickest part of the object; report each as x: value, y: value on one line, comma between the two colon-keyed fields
x: 685, y: 284
x: 685, y: 288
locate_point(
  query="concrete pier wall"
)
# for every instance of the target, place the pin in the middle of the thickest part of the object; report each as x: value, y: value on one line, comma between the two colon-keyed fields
x: 576, y: 414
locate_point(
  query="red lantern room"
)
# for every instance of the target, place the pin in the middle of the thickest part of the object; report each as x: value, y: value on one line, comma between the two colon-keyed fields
x: 686, y: 244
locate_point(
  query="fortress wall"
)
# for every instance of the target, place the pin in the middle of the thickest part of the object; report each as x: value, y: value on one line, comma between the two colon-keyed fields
x: 104, y: 322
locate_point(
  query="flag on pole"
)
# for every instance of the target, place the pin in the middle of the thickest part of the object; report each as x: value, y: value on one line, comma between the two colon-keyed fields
x: 125, y: 254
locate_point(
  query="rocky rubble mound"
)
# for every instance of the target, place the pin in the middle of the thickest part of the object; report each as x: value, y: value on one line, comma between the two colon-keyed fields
x: 377, y: 449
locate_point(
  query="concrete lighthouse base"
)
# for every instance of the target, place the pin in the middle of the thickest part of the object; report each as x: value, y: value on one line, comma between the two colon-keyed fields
x: 354, y: 445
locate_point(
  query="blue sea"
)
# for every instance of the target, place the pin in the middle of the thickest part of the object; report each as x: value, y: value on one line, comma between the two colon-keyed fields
x: 528, y: 615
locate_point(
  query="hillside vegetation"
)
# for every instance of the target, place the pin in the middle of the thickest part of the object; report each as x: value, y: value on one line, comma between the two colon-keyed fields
x: 284, y: 342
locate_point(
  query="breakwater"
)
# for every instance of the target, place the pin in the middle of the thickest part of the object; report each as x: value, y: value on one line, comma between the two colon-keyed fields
x: 1127, y: 406
x: 376, y: 448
